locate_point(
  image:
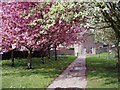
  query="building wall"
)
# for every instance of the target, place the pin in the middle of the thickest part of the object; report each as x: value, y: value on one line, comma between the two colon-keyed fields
x: 88, y: 46
x: 63, y: 52
x: 89, y: 43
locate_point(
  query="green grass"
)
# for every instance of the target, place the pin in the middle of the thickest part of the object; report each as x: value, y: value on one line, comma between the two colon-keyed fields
x: 102, y: 71
x: 39, y: 77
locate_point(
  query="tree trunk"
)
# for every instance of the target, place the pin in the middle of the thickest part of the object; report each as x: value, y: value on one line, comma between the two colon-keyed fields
x: 12, y: 58
x: 55, y: 52
x: 24, y: 54
x: 118, y: 60
x: 108, y: 51
x: 118, y: 54
x: 29, y: 64
x: 42, y: 57
x: 48, y: 53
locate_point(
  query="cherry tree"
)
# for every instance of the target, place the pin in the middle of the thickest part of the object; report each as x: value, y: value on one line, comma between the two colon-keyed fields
x: 68, y: 21
x: 62, y: 29
x: 39, y: 25
x: 65, y: 34
x: 19, y: 29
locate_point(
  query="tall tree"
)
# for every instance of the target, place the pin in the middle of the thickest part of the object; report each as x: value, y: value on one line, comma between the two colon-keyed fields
x: 34, y: 24
x: 110, y: 14
x: 18, y: 29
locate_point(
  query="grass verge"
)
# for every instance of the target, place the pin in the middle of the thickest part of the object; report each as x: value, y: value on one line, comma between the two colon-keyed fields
x: 102, y: 71
x: 39, y: 77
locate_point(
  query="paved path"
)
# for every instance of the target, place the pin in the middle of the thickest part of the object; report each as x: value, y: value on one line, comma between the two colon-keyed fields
x: 72, y: 77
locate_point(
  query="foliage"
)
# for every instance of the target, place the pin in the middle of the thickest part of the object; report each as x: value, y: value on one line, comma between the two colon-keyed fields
x: 105, y: 21
x: 16, y: 29
x: 30, y: 24
x: 37, y: 25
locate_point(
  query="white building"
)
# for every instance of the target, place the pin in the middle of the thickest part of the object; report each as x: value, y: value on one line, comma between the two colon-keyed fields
x: 88, y: 46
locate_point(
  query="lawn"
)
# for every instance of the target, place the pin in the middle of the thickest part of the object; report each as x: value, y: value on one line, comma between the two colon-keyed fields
x: 102, y: 71
x: 39, y: 77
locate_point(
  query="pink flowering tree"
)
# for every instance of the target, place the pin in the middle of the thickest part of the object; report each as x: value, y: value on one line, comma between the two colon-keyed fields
x: 65, y: 34
x: 61, y: 29
x: 39, y: 25
x: 19, y: 29
x: 67, y: 26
